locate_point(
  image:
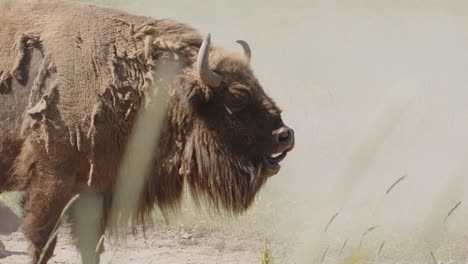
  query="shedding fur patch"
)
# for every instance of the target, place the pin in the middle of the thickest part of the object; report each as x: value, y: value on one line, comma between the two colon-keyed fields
x: 22, y: 44
x: 40, y: 115
x: 45, y: 71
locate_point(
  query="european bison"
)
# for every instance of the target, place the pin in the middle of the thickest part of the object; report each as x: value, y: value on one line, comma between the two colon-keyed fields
x: 72, y: 79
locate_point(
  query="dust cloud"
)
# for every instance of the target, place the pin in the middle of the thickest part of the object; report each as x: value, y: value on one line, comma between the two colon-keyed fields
x: 375, y: 90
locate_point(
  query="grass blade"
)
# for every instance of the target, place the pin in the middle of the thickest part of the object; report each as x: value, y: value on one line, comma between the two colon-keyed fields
x: 343, y: 246
x: 99, y: 244
x: 365, y: 233
x: 451, y: 211
x: 324, y: 254
x: 394, y: 184
x: 331, y: 221
x: 382, y: 244
x: 433, y: 258
x: 54, y: 232
x: 266, y: 256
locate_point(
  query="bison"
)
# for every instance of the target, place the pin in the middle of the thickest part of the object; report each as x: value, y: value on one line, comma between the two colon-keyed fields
x: 73, y: 79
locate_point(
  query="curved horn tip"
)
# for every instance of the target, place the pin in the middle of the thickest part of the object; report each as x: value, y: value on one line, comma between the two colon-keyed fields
x: 246, y: 47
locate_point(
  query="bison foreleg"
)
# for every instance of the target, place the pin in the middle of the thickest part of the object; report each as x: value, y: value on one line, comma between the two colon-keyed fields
x: 43, y: 207
x: 51, y: 186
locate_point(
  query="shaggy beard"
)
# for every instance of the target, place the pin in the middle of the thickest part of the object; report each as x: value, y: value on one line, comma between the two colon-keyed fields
x: 220, y: 178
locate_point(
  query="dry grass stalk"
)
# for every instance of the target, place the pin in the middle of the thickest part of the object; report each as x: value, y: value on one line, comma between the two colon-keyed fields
x: 99, y: 244
x: 365, y: 233
x: 382, y: 244
x: 331, y: 221
x: 451, y: 211
x: 324, y: 254
x: 343, y: 246
x: 266, y: 256
x: 433, y: 258
x: 54, y: 233
x: 394, y: 184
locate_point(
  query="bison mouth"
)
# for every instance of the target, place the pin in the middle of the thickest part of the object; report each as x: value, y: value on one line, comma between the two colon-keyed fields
x: 271, y: 162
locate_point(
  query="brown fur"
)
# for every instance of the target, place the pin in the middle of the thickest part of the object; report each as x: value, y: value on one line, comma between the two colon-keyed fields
x: 72, y: 78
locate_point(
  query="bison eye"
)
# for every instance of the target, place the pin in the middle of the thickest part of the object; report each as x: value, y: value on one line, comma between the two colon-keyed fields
x: 237, y: 98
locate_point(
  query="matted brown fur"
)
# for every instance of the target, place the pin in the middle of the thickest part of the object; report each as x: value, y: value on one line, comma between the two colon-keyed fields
x: 72, y: 78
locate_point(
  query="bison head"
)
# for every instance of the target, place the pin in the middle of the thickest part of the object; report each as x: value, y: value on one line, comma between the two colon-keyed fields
x: 230, y: 134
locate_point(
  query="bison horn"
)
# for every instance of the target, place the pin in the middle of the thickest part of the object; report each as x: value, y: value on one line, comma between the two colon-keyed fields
x: 246, y: 47
x: 209, y: 77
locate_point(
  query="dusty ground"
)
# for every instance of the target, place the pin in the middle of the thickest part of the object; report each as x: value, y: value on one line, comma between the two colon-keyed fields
x: 163, y: 244
x: 192, y: 238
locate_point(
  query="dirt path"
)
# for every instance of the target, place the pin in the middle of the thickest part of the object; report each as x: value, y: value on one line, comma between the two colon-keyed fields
x: 163, y: 245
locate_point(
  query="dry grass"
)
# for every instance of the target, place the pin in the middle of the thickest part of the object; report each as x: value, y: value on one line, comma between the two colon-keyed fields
x: 434, y: 258
x: 365, y: 233
x: 452, y: 210
x: 331, y: 221
x: 382, y: 244
x: 324, y: 254
x: 266, y: 255
x: 394, y: 184
x: 343, y: 246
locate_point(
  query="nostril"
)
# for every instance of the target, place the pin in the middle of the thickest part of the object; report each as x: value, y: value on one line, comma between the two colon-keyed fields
x: 283, y: 134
